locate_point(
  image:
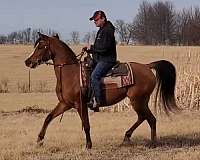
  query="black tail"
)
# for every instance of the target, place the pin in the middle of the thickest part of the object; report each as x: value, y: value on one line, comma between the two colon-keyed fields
x: 166, y: 76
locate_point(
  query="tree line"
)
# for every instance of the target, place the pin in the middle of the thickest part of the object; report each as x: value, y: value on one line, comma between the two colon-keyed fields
x: 157, y: 23
x: 26, y: 36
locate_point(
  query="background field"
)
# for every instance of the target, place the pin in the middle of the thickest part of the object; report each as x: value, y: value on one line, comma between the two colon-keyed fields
x: 178, y: 136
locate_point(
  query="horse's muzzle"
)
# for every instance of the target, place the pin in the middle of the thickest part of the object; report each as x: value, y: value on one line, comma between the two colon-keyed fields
x: 30, y: 64
x: 27, y: 62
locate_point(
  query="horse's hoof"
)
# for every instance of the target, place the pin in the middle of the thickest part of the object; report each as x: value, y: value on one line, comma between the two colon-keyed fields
x: 88, y: 145
x: 126, y: 142
x: 40, y: 142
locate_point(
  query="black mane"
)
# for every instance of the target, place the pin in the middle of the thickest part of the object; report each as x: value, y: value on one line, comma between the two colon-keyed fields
x: 37, y: 41
x: 73, y: 55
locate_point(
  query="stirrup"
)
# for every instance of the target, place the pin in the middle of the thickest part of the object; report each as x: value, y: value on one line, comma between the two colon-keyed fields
x: 93, y: 105
x: 96, y: 107
x: 90, y: 104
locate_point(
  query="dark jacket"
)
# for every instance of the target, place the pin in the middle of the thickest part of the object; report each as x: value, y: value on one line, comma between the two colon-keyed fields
x: 104, y: 48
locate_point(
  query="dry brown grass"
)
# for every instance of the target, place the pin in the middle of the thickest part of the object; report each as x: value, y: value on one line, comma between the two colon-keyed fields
x: 178, y: 136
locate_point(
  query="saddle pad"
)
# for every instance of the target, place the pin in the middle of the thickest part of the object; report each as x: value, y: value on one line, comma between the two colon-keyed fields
x: 109, y: 82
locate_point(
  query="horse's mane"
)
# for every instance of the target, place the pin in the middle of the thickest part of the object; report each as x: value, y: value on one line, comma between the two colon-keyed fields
x: 71, y: 52
x: 37, y: 41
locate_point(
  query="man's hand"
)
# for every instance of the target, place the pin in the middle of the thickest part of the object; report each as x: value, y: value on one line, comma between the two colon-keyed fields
x: 86, y: 48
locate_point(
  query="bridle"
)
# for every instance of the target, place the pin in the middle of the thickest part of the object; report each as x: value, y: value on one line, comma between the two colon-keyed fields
x: 79, y: 56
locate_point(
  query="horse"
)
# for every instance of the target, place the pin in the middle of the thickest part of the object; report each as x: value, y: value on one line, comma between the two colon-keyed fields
x: 68, y: 89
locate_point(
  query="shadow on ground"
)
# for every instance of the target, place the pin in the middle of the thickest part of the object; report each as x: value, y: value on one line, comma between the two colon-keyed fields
x: 171, y: 141
x: 179, y: 141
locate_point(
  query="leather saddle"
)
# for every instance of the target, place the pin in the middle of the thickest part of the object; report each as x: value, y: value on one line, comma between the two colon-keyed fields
x: 120, y: 69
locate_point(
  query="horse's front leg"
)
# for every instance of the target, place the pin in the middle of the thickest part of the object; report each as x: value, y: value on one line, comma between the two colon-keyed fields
x: 83, y: 113
x: 59, y: 109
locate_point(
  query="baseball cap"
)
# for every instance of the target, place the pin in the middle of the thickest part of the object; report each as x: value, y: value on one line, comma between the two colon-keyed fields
x: 97, y: 14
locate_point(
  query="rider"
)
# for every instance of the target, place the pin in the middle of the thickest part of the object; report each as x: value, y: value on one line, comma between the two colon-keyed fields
x: 104, y: 54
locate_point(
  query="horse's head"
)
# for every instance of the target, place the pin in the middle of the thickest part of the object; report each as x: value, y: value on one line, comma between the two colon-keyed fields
x: 42, y: 52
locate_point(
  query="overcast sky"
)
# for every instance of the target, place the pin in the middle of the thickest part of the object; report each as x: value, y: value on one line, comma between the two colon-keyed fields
x: 65, y: 16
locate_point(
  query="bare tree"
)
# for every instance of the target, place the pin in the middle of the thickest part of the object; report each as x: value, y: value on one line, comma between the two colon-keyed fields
x: 192, y: 33
x: 124, y: 31
x: 164, y: 15
x: 75, y: 37
x: 188, y: 26
x: 25, y: 36
x: 3, y: 39
x: 93, y: 36
x: 34, y: 35
x: 142, y: 23
x: 196, y: 26
x: 86, y: 38
x: 182, y: 19
x: 155, y: 23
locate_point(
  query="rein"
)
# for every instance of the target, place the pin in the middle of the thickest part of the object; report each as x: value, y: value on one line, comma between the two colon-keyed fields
x: 63, y: 64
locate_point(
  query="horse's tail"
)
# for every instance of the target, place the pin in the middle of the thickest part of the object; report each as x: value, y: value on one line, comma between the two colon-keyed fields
x: 166, y: 77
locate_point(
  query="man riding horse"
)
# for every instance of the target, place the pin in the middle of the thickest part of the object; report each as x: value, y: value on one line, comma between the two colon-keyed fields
x: 68, y: 90
x: 104, y: 56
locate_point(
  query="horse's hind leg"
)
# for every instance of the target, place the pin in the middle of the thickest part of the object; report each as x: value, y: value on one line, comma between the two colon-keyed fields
x: 137, y: 106
x: 59, y: 109
x: 152, y: 123
x: 140, y: 105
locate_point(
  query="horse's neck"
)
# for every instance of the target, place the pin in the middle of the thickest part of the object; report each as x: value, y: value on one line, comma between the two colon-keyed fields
x: 63, y: 54
x: 65, y: 62
x: 64, y: 59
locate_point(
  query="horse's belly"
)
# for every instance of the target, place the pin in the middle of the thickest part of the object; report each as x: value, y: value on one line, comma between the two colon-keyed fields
x: 113, y: 95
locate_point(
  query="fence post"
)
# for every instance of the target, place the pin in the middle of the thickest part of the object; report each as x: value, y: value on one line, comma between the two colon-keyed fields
x: 29, y: 80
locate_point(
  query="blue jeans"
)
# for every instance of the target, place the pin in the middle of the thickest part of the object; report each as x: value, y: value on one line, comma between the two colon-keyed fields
x: 100, y: 70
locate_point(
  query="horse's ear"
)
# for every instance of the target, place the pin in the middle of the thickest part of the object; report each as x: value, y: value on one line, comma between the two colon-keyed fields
x: 56, y: 36
x: 42, y: 36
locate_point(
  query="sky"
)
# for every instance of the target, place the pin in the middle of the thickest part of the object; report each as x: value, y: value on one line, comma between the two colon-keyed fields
x: 66, y: 16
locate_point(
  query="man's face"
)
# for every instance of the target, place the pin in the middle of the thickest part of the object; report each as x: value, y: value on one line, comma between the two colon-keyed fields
x: 99, y: 22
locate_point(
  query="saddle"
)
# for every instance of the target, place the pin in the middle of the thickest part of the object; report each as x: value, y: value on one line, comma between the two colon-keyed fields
x: 118, y: 70
x: 120, y: 75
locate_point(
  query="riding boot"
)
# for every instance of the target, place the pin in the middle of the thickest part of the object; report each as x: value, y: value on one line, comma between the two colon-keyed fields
x: 97, y: 104
x: 93, y: 105
x: 90, y: 94
x: 93, y: 102
x: 90, y: 98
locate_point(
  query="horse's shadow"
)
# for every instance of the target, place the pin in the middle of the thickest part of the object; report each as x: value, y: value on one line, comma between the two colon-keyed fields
x: 171, y: 141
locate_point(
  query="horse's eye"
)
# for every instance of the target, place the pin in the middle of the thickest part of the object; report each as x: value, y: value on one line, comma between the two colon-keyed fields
x: 39, y: 47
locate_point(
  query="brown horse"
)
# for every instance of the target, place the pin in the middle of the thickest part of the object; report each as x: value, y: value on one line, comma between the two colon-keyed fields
x: 68, y: 90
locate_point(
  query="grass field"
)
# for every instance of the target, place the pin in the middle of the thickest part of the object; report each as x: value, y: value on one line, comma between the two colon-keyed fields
x: 178, y: 135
